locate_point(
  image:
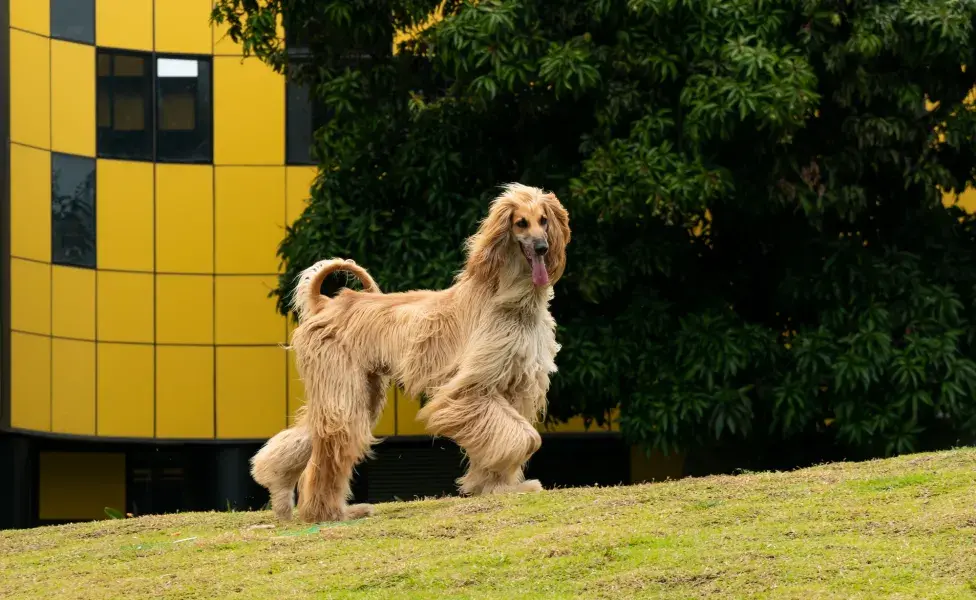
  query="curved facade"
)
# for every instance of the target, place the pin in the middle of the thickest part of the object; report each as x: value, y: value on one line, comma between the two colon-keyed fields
x: 152, y: 174
x: 149, y: 190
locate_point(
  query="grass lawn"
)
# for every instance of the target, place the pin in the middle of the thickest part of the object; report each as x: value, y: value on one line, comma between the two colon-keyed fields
x: 900, y: 528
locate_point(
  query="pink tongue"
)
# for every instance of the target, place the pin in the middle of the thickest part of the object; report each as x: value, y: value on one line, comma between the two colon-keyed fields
x: 539, y: 274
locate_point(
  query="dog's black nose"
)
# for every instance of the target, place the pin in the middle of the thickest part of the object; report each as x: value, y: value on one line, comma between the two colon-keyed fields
x: 540, y: 247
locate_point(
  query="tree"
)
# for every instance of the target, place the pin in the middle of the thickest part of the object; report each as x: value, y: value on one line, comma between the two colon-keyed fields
x: 760, y: 247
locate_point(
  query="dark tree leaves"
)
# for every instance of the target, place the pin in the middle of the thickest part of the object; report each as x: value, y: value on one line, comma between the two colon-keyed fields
x: 759, y: 242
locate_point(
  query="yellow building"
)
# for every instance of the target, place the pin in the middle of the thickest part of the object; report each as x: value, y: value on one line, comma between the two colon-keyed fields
x: 152, y: 172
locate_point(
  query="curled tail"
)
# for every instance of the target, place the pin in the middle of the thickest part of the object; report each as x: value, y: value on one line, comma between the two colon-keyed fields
x: 307, y: 300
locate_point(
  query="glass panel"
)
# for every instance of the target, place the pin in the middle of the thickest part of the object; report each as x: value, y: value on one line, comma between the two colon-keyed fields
x: 184, y: 106
x: 298, y: 132
x: 304, y: 117
x: 124, y: 105
x: 72, y: 210
x: 73, y: 20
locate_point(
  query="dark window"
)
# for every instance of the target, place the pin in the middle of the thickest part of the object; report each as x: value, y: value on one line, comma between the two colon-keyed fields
x: 298, y: 130
x: 125, y: 105
x: 72, y: 20
x: 304, y: 116
x: 183, y: 108
x: 154, y: 108
x: 72, y: 210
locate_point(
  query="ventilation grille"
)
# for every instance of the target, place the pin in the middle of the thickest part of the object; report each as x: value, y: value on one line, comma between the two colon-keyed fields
x: 410, y: 470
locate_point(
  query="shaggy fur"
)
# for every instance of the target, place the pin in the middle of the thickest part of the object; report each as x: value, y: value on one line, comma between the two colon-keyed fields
x: 482, y: 351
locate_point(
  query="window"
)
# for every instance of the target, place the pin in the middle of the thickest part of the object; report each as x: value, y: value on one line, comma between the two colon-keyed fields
x: 154, y: 107
x: 124, y: 106
x: 72, y: 210
x: 73, y: 20
x: 183, y: 124
x: 304, y: 116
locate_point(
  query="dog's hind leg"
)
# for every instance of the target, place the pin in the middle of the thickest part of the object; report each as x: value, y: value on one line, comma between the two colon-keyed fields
x: 278, y: 465
x: 339, y: 421
x: 325, y: 488
x: 496, y: 438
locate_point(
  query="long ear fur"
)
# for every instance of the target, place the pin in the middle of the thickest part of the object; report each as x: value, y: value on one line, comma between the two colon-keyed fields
x: 487, y: 247
x: 558, y: 234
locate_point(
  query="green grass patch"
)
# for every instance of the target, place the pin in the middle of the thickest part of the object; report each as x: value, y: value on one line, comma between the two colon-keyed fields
x: 887, y: 484
x: 899, y: 528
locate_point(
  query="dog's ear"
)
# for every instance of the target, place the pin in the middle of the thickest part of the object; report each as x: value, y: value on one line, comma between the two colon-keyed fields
x: 487, y: 247
x: 558, y: 234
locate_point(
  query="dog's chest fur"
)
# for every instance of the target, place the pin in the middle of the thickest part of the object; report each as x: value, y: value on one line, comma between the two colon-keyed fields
x: 530, y: 352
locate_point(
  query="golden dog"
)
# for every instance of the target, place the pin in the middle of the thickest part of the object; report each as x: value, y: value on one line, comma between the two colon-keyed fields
x: 481, y: 350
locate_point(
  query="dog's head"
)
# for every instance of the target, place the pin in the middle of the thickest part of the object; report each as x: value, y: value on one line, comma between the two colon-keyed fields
x: 527, y: 231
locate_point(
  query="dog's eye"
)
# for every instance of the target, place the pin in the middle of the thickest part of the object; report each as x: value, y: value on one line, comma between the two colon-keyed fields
x: 521, y: 223
x: 543, y: 221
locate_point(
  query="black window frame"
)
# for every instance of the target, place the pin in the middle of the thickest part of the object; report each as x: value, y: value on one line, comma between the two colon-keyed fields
x: 86, y: 222
x: 303, y: 117
x: 315, y: 113
x: 126, y: 139
x: 57, y: 12
x: 132, y: 144
x: 204, y: 99
x: 303, y: 113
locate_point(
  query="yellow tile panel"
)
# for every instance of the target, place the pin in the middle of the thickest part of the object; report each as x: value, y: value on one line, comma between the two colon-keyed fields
x: 296, y: 389
x: 184, y: 392
x: 72, y: 98
x: 251, y: 400
x: 126, y: 390
x: 125, y: 307
x: 298, y: 183
x: 183, y: 26
x: 80, y: 485
x: 125, y: 23
x: 125, y: 215
x: 184, y: 219
x: 30, y: 381
x: 30, y: 88
x: 30, y: 296
x: 184, y: 309
x: 31, y: 15
x: 242, y: 135
x: 250, y: 213
x: 73, y: 387
x: 73, y: 302
x: 387, y: 424
x: 30, y: 203
x: 406, y: 415
x: 244, y: 313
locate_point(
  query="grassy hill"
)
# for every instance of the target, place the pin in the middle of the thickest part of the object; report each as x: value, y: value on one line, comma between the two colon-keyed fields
x: 901, y: 528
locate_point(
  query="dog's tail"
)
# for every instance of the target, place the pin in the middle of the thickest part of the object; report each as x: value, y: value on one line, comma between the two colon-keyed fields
x: 307, y: 299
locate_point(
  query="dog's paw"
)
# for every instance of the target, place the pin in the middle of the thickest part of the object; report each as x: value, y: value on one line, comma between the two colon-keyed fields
x: 359, y: 511
x: 283, y: 515
x: 529, y: 485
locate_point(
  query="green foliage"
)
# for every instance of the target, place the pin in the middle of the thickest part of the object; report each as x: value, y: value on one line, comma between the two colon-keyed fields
x: 827, y: 292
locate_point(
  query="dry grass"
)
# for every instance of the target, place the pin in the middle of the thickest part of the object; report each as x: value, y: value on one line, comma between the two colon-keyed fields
x: 901, y: 528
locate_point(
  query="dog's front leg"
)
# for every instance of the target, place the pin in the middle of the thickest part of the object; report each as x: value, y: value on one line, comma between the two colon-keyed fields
x: 496, y: 438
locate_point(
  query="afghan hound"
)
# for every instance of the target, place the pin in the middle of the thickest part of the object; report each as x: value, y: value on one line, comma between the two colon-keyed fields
x: 481, y: 350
